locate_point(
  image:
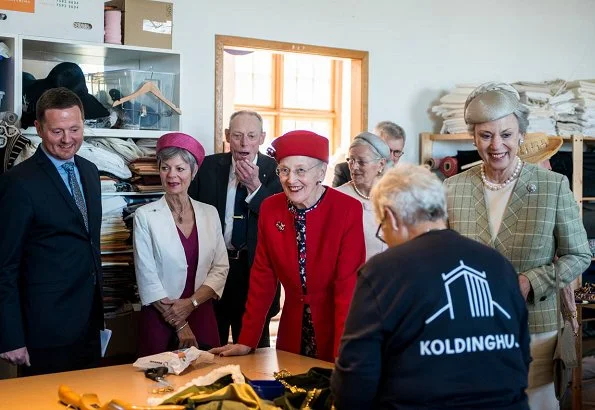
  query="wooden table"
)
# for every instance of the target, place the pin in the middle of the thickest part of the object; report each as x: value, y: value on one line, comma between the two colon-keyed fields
x: 127, y: 383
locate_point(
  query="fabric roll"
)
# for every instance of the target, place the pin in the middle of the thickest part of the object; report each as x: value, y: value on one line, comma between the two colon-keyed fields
x: 449, y: 166
x: 433, y: 163
x: 113, y: 27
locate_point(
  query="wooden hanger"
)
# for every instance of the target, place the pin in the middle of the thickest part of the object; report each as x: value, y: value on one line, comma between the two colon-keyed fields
x: 147, y: 87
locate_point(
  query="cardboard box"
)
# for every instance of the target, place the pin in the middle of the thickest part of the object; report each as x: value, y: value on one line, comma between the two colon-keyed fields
x: 75, y: 20
x: 146, y: 23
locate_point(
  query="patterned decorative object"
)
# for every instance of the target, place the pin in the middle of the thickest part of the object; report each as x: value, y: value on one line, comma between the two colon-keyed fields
x: 76, y: 191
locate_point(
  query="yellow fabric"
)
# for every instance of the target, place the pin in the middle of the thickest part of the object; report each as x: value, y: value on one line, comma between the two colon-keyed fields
x: 233, y: 396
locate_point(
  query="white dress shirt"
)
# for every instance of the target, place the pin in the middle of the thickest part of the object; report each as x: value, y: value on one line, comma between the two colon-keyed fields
x: 232, y: 186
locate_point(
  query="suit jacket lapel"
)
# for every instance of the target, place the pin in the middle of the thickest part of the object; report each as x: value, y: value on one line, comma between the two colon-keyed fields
x: 263, y: 169
x: 224, y: 168
x: 511, y: 212
x: 482, y: 217
x: 51, y: 171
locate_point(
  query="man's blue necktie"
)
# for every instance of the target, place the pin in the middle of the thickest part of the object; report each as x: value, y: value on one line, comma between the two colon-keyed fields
x: 76, y: 191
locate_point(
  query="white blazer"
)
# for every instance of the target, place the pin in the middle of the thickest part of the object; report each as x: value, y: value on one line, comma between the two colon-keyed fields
x: 159, y: 258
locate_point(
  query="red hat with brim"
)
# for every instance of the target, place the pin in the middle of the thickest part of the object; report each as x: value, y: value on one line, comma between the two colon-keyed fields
x: 184, y: 141
x: 303, y: 143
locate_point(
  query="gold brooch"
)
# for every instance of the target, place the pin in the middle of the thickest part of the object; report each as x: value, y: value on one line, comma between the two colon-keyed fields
x: 280, y: 226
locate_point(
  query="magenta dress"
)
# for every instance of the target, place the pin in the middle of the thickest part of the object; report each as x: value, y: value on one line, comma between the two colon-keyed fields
x: 156, y: 336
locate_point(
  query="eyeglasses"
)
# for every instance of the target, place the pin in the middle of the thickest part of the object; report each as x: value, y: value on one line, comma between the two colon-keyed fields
x: 396, y: 153
x: 360, y: 163
x: 300, y: 172
x: 379, y: 233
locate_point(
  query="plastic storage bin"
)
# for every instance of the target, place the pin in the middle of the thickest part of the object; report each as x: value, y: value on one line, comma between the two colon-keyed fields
x: 145, y: 112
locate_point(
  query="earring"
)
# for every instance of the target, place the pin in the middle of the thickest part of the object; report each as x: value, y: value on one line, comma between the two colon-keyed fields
x: 380, y: 171
x: 473, y: 143
x: 521, y: 141
x: 318, y: 182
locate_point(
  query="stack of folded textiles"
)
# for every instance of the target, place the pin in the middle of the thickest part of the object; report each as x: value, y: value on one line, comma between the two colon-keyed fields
x: 537, y: 97
x: 146, y: 175
x: 581, y: 119
x: 120, y: 292
x: 451, y: 109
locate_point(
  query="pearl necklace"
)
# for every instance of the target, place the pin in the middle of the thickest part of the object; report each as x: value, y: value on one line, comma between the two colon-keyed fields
x: 358, y: 191
x: 496, y: 187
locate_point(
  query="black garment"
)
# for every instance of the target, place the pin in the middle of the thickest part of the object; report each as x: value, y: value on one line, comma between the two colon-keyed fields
x: 84, y: 353
x: 230, y: 309
x: 50, y: 267
x: 342, y: 174
x: 210, y: 186
x: 239, y: 232
x: 411, y: 340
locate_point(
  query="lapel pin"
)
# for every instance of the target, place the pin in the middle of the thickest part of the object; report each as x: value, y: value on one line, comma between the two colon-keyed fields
x: 280, y: 226
x: 531, y: 188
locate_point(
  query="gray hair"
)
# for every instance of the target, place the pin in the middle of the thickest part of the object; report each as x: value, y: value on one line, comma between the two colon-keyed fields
x: 246, y: 112
x: 170, y: 152
x: 391, y: 130
x: 376, y: 145
x: 492, y: 101
x: 412, y: 192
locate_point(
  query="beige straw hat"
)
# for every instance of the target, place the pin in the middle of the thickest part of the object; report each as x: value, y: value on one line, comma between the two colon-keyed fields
x: 539, y: 147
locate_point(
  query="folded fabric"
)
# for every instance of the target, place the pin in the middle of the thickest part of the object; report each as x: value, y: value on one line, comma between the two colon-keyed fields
x: 125, y: 148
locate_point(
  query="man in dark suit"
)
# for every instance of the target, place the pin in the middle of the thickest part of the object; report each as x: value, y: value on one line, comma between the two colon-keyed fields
x: 392, y: 134
x: 50, y: 270
x: 236, y: 183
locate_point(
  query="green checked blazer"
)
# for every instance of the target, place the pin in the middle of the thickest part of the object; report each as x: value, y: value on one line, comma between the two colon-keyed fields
x: 540, y: 218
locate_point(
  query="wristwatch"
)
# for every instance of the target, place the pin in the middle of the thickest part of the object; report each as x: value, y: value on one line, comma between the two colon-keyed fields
x: 194, y: 303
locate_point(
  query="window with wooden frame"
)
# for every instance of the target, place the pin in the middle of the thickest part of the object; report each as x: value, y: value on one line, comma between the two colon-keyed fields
x: 293, y: 86
x: 290, y: 91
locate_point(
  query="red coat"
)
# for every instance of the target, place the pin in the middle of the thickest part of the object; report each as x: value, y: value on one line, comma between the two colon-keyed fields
x: 334, y: 252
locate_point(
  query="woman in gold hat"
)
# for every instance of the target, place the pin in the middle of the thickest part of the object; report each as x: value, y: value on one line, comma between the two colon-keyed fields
x: 526, y: 213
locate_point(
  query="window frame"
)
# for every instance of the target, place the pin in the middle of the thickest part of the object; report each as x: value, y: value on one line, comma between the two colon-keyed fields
x: 359, y: 82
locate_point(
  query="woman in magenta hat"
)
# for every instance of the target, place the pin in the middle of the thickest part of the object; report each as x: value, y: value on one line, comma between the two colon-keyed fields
x: 179, y: 255
x: 310, y: 238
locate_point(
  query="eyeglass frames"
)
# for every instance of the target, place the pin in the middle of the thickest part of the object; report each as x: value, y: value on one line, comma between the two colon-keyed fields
x: 300, y: 172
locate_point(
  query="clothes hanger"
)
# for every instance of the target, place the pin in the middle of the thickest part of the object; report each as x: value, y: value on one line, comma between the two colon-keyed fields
x: 147, y: 87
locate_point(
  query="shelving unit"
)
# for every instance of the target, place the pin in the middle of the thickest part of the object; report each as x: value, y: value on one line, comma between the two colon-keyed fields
x: 37, y: 56
x: 427, y: 141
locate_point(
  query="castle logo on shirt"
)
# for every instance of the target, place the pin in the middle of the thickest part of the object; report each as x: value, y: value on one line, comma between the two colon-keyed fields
x: 479, y: 295
x: 477, y: 303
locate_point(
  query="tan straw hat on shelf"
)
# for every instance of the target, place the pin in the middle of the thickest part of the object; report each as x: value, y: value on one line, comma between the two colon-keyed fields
x: 539, y: 147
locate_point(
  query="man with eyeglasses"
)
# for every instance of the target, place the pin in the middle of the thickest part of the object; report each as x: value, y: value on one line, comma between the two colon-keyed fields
x: 392, y: 134
x: 236, y: 183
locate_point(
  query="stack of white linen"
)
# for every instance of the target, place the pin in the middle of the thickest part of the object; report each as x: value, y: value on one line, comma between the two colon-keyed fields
x: 537, y: 96
x: 581, y: 119
x: 451, y: 109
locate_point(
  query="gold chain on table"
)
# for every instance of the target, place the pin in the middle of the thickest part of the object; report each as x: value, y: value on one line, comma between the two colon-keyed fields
x: 311, y: 395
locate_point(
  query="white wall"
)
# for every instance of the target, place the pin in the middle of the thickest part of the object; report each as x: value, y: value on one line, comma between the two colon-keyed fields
x: 417, y: 51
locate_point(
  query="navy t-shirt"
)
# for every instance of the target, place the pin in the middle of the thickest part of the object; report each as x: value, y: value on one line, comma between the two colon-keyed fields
x: 436, y: 323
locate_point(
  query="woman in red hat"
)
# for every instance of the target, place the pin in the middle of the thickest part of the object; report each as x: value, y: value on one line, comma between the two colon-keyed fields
x: 310, y: 238
x: 179, y: 255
